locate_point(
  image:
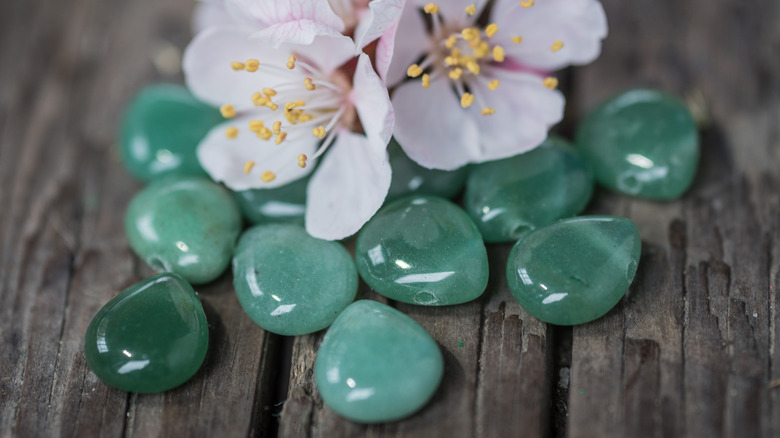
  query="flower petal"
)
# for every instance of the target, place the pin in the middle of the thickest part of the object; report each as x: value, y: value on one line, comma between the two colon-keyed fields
x: 347, y: 189
x: 524, y: 112
x: 290, y: 21
x: 224, y: 158
x: 208, y: 73
x: 210, y: 13
x: 432, y: 128
x: 579, y: 24
x: 410, y: 42
x: 326, y: 52
x: 454, y: 11
x: 372, y: 102
x: 380, y: 17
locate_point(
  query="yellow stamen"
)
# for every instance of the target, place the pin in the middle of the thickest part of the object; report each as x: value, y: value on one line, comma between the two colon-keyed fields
x: 482, y: 50
x: 488, y: 111
x: 309, y: 84
x: 527, y: 3
x: 264, y: 133
x: 277, y: 127
x: 550, y: 82
x: 466, y: 100
x: 498, y: 54
x: 255, y: 125
x: 493, y: 84
x: 431, y: 8
x: 451, y: 60
x: 319, y: 132
x: 471, y: 10
x: 248, y: 166
x: 451, y: 42
x: 231, y: 132
x: 252, y: 65
x: 280, y: 138
x: 291, y: 62
x: 517, y: 39
x: 260, y: 100
x: 455, y: 74
x: 426, y: 80
x: 272, y: 105
x: 473, y: 67
x: 270, y: 92
x: 268, y: 176
x: 228, y: 111
x: 302, y: 160
x: 557, y: 45
x: 470, y: 34
x: 414, y: 70
x: 237, y: 65
x: 491, y: 30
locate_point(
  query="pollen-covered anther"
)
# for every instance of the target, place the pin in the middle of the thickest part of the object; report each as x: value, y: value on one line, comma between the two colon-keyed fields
x: 550, y: 82
x: 302, y: 160
x: 493, y: 84
x: 228, y: 111
x: 431, y: 8
x: 268, y: 176
x: 527, y: 3
x: 491, y: 30
x: 414, y: 71
x: 272, y: 105
x: 451, y: 60
x: 309, y: 84
x: 517, y: 39
x: 255, y: 125
x: 489, y: 111
x: 472, y: 66
x: 264, y: 133
x: 456, y: 74
x: 237, y: 66
x: 252, y: 65
x: 557, y: 45
x: 319, y: 132
x: 472, y: 9
x: 248, y: 166
x: 498, y: 54
x: 466, y: 100
x: 270, y: 92
x: 426, y: 80
x: 470, y: 33
x: 280, y: 138
x: 291, y: 62
x: 451, y: 40
x: 277, y: 127
x: 231, y: 132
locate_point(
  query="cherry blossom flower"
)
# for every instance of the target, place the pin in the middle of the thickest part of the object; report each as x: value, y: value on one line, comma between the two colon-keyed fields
x: 481, y: 89
x: 288, y: 105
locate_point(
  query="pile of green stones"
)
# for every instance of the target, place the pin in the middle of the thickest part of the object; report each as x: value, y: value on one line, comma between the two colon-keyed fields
x: 376, y: 364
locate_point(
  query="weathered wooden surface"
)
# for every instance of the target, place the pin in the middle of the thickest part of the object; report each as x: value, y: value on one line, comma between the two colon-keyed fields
x: 690, y: 351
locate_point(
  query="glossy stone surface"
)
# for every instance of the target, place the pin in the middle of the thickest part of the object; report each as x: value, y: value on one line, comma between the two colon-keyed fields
x: 575, y: 270
x: 184, y: 225
x: 506, y: 198
x: 161, y: 129
x: 284, y: 204
x: 290, y: 283
x: 423, y: 250
x: 409, y: 178
x: 376, y: 364
x: 643, y: 143
x: 151, y: 337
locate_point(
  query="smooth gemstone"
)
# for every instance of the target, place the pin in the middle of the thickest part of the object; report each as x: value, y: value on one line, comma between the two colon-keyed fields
x: 161, y: 129
x: 151, y: 337
x: 376, y: 364
x: 409, y: 178
x: 184, y: 225
x: 284, y: 204
x: 423, y: 250
x: 643, y: 143
x: 509, y: 197
x: 290, y: 283
x: 575, y: 270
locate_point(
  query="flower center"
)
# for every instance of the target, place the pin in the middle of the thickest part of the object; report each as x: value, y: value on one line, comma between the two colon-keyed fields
x: 302, y: 100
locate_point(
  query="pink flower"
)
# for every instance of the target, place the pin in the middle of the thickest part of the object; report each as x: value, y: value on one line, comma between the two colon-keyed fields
x: 480, y: 90
x: 289, y: 105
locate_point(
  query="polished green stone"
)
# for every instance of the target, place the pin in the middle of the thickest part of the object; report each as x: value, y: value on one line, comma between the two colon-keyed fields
x: 575, y: 270
x: 508, y: 197
x: 161, y: 128
x: 409, y: 178
x: 284, y: 204
x: 290, y: 283
x: 642, y: 143
x: 376, y: 364
x: 151, y: 337
x: 423, y: 250
x: 184, y: 225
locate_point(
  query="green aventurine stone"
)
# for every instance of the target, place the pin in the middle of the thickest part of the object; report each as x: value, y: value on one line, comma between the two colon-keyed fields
x: 290, y: 283
x: 423, y: 250
x: 575, y: 270
x: 376, y: 364
x: 643, y: 143
x: 150, y: 338
x: 184, y: 225
x: 409, y: 178
x: 161, y: 129
x: 284, y: 204
x: 506, y: 198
